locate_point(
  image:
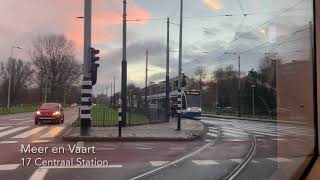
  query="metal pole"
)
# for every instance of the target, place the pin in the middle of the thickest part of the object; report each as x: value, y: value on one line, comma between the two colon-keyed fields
x: 10, y: 74
x: 124, y: 65
x: 46, y: 87
x: 146, y: 82
x: 253, y: 102
x: 179, y: 69
x: 239, y: 88
x: 114, y: 91
x: 167, y: 72
x: 86, y: 89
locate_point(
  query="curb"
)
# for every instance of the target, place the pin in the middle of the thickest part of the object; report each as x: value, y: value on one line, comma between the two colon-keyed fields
x: 248, y: 119
x: 193, y: 136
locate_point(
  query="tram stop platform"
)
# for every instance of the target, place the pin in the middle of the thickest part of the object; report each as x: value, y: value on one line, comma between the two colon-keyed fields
x: 190, y: 130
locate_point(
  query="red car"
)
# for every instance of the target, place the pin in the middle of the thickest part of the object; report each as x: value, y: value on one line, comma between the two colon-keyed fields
x: 49, y: 113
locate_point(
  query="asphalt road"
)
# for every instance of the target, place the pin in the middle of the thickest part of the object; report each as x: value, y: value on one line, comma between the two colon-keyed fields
x: 218, y: 154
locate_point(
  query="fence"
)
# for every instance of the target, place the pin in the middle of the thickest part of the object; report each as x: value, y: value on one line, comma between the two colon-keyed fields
x: 104, y: 116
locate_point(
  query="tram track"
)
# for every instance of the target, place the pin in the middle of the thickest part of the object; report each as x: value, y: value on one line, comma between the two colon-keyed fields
x: 180, y: 160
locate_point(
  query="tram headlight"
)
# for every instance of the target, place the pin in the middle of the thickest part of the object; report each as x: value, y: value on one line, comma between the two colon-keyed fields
x: 200, y: 109
x: 188, y: 109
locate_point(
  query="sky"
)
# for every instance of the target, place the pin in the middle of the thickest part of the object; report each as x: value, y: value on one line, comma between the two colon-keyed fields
x: 210, y: 28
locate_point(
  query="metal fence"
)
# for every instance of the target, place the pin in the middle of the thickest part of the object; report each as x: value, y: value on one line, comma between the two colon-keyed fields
x: 105, y: 116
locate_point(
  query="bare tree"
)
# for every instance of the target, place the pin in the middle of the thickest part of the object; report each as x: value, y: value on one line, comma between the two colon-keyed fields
x: 21, y: 78
x: 54, y: 61
x: 200, y: 74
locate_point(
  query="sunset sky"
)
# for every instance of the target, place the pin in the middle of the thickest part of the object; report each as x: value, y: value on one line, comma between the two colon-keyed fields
x: 205, y: 30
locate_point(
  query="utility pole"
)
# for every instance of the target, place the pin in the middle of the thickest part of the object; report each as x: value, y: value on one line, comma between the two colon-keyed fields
x: 239, y: 88
x: 146, y: 83
x: 167, y: 72
x: 124, y: 65
x: 86, y: 89
x: 253, y: 113
x: 111, y: 96
x: 179, y: 70
x: 114, y: 91
x: 46, y: 88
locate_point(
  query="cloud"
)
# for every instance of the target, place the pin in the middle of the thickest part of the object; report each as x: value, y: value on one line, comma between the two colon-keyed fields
x: 213, y: 4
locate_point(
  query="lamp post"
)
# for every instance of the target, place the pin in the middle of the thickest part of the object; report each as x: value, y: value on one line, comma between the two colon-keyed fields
x: 10, y: 73
x: 253, y: 86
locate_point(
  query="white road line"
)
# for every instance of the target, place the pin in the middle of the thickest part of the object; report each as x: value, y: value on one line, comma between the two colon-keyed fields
x: 6, y: 167
x: 267, y: 134
x: 237, y: 160
x: 205, y: 162
x: 208, y: 140
x: 29, y: 133
x: 278, y: 139
x: 4, y: 127
x: 176, y: 148
x: 80, y: 144
x: 4, y: 133
x: 40, y: 141
x: 254, y: 161
x: 158, y: 163
x: 24, y: 122
x: 234, y: 134
x: 39, y: 174
x: 8, y: 142
x: 214, y: 131
x: 280, y: 159
x: 20, y: 119
x: 143, y: 148
x: 211, y: 134
x: 53, y: 132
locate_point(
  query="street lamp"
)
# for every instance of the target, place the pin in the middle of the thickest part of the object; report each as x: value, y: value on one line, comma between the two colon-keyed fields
x: 10, y: 73
x: 253, y: 86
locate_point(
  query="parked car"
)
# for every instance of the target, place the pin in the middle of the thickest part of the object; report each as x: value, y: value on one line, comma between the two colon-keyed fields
x: 49, y: 113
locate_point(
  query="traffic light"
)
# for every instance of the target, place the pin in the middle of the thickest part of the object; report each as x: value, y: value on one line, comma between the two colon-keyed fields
x: 94, y: 66
x: 184, y: 82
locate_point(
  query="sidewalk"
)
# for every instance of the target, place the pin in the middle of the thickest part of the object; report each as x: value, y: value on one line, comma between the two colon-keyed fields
x: 190, y: 130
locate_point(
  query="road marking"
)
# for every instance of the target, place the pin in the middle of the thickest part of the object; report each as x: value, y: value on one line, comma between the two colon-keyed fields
x: 211, y: 134
x: 158, y: 163
x: 4, y: 127
x: 233, y: 135
x: 53, y: 132
x: 39, y: 174
x: 176, y: 148
x: 29, y: 133
x: 20, y: 119
x: 143, y: 148
x: 280, y: 159
x: 6, y: 167
x: 205, y: 162
x: 8, y: 142
x: 4, y: 133
x: 40, y: 141
x: 214, y: 131
x: 254, y: 161
x: 80, y: 144
x: 236, y: 160
x: 234, y: 132
x: 208, y: 140
x: 24, y: 122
